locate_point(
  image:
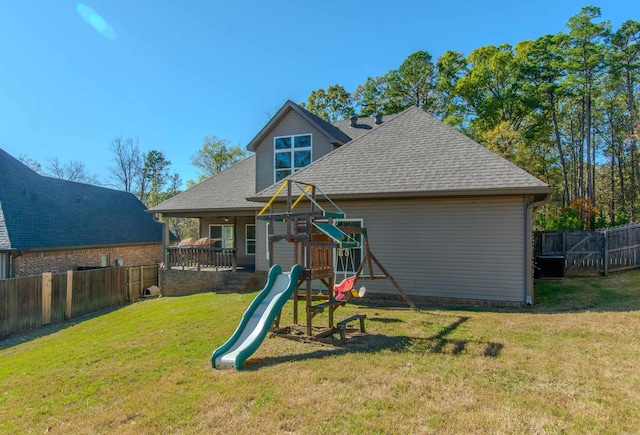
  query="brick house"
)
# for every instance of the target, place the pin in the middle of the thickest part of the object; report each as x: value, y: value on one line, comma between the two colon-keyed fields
x: 53, y: 225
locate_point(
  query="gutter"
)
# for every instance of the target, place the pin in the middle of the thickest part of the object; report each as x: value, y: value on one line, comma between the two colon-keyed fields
x: 463, y: 193
x: 528, y: 277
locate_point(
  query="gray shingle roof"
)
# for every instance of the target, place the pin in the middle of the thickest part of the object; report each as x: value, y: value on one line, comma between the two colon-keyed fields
x: 45, y: 212
x: 226, y: 190
x: 414, y: 154
x: 363, y: 126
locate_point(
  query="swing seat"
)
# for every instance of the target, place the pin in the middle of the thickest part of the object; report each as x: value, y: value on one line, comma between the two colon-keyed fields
x: 345, y: 285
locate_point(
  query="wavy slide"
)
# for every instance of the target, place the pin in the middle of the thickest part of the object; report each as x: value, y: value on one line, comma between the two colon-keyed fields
x: 257, y: 320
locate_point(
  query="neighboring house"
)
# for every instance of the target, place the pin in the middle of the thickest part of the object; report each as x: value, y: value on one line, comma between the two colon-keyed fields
x: 448, y: 218
x: 53, y: 225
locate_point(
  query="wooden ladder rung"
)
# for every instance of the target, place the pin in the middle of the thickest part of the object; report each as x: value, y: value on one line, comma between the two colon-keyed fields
x: 321, y: 307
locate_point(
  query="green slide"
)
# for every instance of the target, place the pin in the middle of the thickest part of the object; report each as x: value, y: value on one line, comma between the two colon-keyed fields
x: 343, y: 240
x: 257, y: 320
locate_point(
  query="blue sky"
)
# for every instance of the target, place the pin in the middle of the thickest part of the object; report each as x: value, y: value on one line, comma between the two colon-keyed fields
x: 172, y: 72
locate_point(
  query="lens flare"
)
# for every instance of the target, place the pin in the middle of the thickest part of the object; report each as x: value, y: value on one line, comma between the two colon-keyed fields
x: 96, y: 21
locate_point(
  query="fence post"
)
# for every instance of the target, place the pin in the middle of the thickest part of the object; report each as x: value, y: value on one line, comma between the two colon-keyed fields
x: 606, y: 252
x: 141, y: 289
x: 46, y: 297
x: 68, y: 305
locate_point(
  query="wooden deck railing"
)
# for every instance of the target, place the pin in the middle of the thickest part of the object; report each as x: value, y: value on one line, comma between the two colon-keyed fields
x: 201, y: 257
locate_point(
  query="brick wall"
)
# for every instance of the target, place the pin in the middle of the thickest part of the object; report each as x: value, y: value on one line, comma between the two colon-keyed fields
x: 38, y: 262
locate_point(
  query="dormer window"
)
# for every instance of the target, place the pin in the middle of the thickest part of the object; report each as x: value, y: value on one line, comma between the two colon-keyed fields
x: 290, y: 154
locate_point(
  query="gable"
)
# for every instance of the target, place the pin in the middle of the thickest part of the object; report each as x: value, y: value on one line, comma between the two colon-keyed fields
x: 289, y: 123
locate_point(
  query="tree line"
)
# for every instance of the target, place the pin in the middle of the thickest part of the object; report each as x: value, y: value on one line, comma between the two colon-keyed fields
x: 563, y: 107
x: 147, y: 174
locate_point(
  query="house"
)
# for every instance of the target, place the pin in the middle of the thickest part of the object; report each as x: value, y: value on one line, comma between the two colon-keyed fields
x: 53, y: 225
x: 449, y: 219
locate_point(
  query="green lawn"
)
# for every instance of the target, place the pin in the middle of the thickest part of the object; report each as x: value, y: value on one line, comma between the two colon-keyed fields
x: 569, y: 364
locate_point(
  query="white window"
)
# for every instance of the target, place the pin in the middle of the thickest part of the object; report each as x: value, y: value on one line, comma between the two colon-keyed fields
x: 222, y: 235
x: 351, y: 261
x: 290, y: 154
x: 250, y: 239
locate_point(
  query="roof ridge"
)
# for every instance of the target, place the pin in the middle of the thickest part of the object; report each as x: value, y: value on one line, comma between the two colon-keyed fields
x: 343, y: 147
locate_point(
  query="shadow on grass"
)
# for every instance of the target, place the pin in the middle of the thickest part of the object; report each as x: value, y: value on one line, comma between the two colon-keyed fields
x: 437, y: 343
x: 43, y: 331
x: 385, y: 319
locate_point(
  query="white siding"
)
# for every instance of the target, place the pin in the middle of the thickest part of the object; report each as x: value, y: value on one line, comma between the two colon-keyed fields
x: 468, y: 248
x: 291, y: 124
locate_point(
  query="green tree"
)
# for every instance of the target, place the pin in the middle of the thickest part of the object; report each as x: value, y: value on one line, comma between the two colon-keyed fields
x: 153, y: 178
x: 585, y: 53
x: 491, y: 90
x: 331, y: 105
x: 624, y: 70
x: 448, y: 105
x: 369, y: 97
x: 216, y: 155
x: 542, y: 70
x: 412, y: 84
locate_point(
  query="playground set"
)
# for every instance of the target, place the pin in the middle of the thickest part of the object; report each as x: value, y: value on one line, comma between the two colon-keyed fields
x: 315, y: 234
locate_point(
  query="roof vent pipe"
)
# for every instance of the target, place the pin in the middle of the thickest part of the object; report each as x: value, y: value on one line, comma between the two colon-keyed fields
x: 378, y: 118
x: 354, y: 121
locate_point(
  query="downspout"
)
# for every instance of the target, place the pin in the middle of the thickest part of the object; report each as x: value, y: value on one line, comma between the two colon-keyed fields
x: 528, y: 277
x: 12, y: 263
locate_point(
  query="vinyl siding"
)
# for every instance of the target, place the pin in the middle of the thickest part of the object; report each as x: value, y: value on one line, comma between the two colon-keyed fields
x: 283, y: 250
x: 292, y: 124
x: 239, y: 223
x: 454, y: 248
x: 467, y: 248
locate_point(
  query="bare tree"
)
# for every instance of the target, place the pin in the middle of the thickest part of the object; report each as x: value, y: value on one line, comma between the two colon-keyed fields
x: 127, y: 163
x: 73, y: 170
x: 33, y: 164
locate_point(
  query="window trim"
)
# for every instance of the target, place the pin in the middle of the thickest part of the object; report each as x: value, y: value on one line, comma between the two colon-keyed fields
x: 222, y: 239
x: 291, y: 151
x: 247, y: 239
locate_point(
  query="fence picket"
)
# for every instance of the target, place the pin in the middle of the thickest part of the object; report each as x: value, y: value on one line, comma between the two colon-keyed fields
x: 25, y: 303
x: 602, y: 251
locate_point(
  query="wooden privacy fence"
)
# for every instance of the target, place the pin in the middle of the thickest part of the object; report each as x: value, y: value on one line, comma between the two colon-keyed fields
x: 140, y: 278
x: 601, y: 251
x: 34, y: 301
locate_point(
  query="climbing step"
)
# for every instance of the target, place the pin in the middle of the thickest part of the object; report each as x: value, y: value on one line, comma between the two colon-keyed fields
x: 342, y: 325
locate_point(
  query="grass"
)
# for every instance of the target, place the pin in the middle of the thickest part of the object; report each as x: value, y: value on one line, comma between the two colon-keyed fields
x: 569, y: 364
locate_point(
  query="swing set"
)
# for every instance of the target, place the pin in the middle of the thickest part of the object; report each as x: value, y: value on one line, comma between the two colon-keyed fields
x: 315, y: 234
